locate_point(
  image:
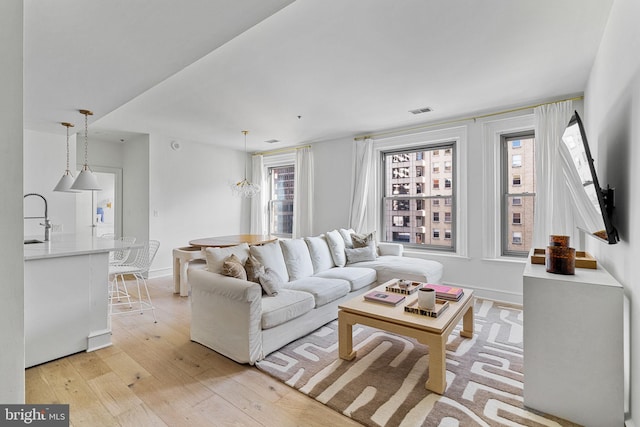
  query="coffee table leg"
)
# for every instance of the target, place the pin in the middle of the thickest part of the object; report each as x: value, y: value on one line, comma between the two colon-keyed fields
x: 467, y: 323
x: 437, y: 381
x: 345, y: 337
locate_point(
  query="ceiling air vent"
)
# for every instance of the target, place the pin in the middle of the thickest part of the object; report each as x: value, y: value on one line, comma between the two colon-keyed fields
x: 421, y: 110
x: 272, y: 141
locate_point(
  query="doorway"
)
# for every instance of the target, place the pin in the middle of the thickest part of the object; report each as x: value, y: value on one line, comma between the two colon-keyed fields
x: 100, y: 212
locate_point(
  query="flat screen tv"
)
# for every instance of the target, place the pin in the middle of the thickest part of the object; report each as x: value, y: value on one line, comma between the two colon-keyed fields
x: 594, y: 204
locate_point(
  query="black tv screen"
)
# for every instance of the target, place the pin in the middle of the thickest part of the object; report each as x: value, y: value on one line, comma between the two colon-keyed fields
x: 594, y: 203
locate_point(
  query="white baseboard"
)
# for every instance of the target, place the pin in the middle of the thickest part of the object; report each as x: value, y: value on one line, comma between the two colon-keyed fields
x: 492, y: 294
x: 160, y: 272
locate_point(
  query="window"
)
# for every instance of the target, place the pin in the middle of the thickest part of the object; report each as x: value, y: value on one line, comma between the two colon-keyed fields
x: 447, y: 217
x: 281, y: 181
x: 518, y: 193
x: 409, y: 222
x: 517, y: 219
x: 516, y: 160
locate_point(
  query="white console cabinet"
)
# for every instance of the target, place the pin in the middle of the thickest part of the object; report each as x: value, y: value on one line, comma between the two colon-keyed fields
x: 573, y: 345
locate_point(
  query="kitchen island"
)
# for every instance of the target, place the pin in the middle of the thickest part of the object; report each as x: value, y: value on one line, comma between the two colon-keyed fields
x: 66, y: 296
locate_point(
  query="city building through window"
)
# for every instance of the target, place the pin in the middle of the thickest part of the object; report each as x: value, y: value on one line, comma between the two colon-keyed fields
x: 414, y: 199
x: 281, y: 180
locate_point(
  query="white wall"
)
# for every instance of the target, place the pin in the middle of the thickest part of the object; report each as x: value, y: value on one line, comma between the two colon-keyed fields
x: 11, y: 256
x: 45, y: 160
x: 612, y: 120
x: 189, y: 195
x: 135, y: 188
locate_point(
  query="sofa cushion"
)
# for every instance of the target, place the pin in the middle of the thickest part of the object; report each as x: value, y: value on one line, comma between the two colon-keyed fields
x: 336, y: 246
x: 366, y: 253
x: 357, y: 277
x: 323, y: 290
x: 270, y: 255
x: 297, y: 258
x: 216, y: 256
x: 396, y: 267
x: 232, y: 267
x: 320, y: 253
x: 287, y: 305
x: 346, y: 236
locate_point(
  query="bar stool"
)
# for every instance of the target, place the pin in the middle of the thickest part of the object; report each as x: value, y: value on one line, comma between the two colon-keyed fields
x: 138, y: 267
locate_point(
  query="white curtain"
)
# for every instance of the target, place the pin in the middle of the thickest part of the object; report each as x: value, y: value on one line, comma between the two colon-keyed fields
x: 259, y: 202
x: 362, y: 217
x: 553, y: 209
x: 303, y: 193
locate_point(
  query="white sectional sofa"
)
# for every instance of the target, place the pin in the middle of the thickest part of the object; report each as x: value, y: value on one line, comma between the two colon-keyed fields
x: 314, y: 275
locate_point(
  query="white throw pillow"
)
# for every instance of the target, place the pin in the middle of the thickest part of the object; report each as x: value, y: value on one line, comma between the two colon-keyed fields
x: 366, y: 253
x: 270, y: 255
x: 297, y: 258
x: 336, y: 246
x: 216, y: 256
x: 346, y: 236
x: 320, y: 253
x: 270, y: 281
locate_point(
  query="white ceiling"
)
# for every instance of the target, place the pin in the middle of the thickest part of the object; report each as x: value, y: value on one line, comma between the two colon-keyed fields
x: 204, y: 70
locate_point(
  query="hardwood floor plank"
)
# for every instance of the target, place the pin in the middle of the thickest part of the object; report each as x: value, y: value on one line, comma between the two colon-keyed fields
x: 154, y: 375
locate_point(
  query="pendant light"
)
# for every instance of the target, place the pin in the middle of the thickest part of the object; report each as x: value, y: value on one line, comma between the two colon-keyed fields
x: 66, y: 181
x: 245, y: 188
x: 86, y: 180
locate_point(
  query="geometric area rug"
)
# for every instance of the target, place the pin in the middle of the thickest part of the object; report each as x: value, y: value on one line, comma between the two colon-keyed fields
x: 384, y: 384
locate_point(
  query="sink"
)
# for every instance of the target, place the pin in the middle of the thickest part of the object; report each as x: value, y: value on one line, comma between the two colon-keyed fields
x: 31, y: 241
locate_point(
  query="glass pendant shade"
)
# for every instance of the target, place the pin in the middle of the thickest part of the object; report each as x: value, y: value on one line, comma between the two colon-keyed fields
x: 244, y: 188
x: 64, y: 185
x: 86, y: 180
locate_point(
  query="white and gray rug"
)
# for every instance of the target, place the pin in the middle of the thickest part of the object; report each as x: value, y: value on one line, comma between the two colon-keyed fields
x: 384, y: 384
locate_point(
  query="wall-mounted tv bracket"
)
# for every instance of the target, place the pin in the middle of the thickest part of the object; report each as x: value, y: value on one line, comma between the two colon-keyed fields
x: 608, y: 196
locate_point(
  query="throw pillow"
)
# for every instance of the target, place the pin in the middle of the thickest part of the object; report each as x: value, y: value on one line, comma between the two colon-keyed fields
x: 253, y: 269
x: 362, y: 240
x: 270, y: 255
x: 367, y: 253
x: 270, y: 281
x: 336, y: 246
x: 232, y: 267
x: 216, y: 256
x: 346, y: 235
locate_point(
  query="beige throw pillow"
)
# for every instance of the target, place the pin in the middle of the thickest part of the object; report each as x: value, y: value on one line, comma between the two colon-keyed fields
x: 363, y: 240
x: 232, y: 267
x: 254, y: 268
x: 270, y: 281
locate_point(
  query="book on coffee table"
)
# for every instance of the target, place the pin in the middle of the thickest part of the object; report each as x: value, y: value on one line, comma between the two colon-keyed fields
x: 384, y: 297
x: 448, y: 293
x: 441, y: 306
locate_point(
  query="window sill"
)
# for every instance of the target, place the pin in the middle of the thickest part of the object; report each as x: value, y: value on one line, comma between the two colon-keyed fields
x: 421, y: 253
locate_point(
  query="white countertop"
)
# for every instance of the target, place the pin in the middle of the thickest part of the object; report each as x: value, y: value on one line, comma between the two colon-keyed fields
x: 63, y: 245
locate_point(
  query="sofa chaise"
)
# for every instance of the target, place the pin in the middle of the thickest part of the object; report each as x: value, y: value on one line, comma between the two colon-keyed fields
x: 292, y: 287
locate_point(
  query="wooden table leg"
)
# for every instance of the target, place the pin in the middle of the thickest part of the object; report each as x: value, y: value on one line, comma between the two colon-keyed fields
x: 345, y: 337
x: 467, y: 323
x: 437, y: 381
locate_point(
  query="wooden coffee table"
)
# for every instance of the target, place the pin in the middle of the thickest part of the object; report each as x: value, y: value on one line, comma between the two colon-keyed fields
x: 432, y: 332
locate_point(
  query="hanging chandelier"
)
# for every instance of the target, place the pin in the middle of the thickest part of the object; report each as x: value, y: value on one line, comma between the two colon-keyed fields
x: 66, y: 181
x: 86, y: 180
x: 245, y: 188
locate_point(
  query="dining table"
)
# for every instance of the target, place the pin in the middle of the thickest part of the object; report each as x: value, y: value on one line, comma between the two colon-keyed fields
x: 193, y: 253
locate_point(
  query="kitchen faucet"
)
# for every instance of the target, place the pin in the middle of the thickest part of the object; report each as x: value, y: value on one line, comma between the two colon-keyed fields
x: 47, y: 223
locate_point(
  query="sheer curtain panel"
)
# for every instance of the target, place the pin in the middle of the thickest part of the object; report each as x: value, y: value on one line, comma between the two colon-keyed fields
x: 259, y: 202
x: 303, y: 193
x: 553, y: 209
x: 363, y: 206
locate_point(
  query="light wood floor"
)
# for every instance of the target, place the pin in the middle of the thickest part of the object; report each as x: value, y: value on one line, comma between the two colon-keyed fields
x: 153, y: 375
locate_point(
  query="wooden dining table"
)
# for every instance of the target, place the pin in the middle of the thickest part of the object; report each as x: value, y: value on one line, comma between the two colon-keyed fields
x: 184, y: 255
x: 233, y: 240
